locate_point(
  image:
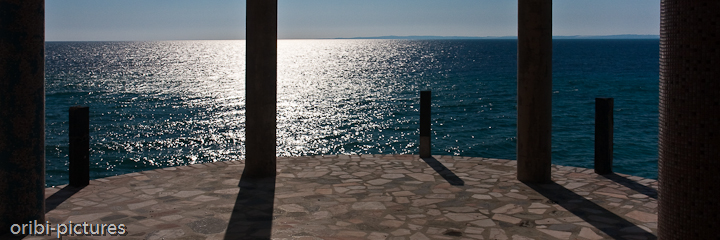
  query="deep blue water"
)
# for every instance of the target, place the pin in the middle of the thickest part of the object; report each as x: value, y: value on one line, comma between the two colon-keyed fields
x: 158, y: 104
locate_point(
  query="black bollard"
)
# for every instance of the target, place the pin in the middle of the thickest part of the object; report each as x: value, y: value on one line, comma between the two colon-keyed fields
x: 603, y: 135
x: 79, y: 146
x: 425, y: 124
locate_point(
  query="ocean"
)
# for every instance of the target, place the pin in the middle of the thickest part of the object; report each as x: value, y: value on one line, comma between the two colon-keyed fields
x: 170, y: 103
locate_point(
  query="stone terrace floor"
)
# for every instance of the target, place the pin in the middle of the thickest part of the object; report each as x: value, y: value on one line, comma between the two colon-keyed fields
x: 363, y: 197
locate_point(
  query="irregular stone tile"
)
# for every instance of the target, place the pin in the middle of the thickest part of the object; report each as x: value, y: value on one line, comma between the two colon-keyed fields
x: 184, y: 194
x: 484, y: 223
x: 461, y: 209
x: 165, y: 234
x: 392, y: 223
x: 171, y: 218
x: 368, y: 206
x: 518, y: 237
x: 393, y: 175
x: 379, y: 181
x: 556, y: 234
x: 481, y: 196
x: 133, y: 206
x: 497, y: 234
x: 292, y: 208
x: 474, y: 230
x: 419, y: 236
x: 574, y: 185
x: 588, y: 233
x: 423, y: 202
x: 414, y: 227
x: 87, y: 217
x: 403, y: 194
x: 422, y: 177
x: 462, y: 217
x: 505, y: 209
x: 205, y: 198
x: 506, y: 218
x: 515, y: 195
x: 538, y: 205
x: 446, y: 196
x: 400, y: 232
x: 570, y: 219
x: 642, y: 216
x: 538, y: 211
x: 341, y: 189
x: 351, y: 234
x: 547, y: 221
x: 227, y: 191
x: 311, y: 174
x: 346, y: 200
x: 562, y: 227
x: 377, y: 236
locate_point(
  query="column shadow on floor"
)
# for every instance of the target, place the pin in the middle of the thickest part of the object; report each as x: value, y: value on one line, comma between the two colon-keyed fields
x: 448, y: 175
x: 252, y: 215
x: 60, y: 196
x: 650, y: 192
x: 601, y: 218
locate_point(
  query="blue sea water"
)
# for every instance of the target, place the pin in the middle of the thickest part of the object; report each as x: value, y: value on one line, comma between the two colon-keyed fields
x: 159, y: 104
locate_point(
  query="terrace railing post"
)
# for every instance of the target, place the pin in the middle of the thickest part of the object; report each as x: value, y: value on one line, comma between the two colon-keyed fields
x: 22, y: 111
x: 603, y: 135
x: 425, y: 124
x: 79, y: 146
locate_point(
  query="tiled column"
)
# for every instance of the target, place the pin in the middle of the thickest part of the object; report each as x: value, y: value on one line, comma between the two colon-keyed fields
x: 534, y: 90
x: 689, y: 136
x: 260, y: 88
x: 22, y: 112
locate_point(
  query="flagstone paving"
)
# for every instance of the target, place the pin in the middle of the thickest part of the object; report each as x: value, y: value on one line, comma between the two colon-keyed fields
x: 366, y: 197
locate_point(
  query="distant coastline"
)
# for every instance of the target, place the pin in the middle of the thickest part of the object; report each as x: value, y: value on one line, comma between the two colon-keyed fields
x: 621, y: 36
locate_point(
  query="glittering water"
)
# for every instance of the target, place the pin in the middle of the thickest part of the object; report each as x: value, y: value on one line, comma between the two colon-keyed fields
x: 157, y: 104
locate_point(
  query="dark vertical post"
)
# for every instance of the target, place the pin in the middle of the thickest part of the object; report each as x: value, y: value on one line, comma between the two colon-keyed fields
x: 22, y: 112
x: 260, y: 88
x: 425, y: 124
x: 534, y: 90
x: 79, y: 146
x: 603, y: 135
x: 689, y: 131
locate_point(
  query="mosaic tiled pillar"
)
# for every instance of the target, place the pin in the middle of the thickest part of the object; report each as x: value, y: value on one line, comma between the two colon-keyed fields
x: 534, y: 90
x: 260, y: 88
x: 689, y: 134
x: 22, y: 112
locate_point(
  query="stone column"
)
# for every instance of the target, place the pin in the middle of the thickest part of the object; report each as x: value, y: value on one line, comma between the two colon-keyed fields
x: 689, y: 131
x: 22, y: 112
x: 534, y: 124
x: 260, y: 88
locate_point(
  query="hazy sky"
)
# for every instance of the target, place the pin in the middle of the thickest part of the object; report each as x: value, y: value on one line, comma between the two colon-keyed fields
x: 91, y: 20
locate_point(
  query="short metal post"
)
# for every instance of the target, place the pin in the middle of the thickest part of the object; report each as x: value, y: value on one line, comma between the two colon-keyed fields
x: 603, y: 135
x: 425, y: 124
x: 79, y: 146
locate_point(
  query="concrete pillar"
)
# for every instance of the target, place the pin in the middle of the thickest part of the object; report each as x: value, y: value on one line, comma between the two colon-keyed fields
x: 260, y: 88
x: 425, y: 119
x: 534, y: 124
x: 689, y: 131
x: 22, y: 112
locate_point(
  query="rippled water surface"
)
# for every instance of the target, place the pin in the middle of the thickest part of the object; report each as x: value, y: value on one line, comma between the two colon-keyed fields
x: 157, y: 104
